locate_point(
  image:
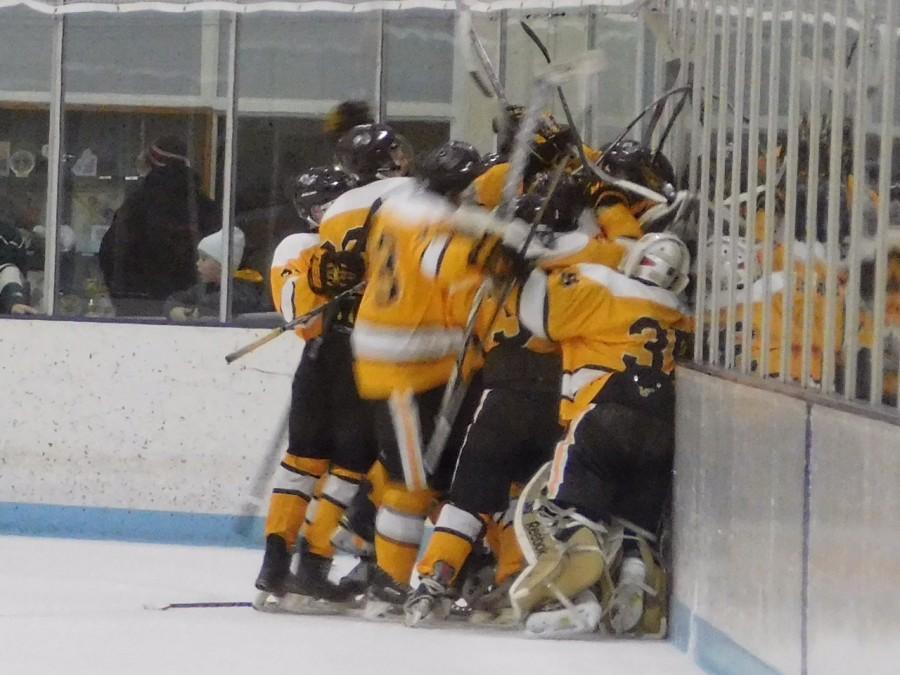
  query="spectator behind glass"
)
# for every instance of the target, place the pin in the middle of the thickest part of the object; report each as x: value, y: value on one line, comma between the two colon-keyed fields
x: 149, y: 252
x: 13, y: 260
x: 202, y: 299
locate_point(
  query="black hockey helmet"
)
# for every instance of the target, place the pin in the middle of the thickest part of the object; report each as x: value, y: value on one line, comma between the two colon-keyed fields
x: 315, y: 188
x: 564, y: 207
x: 373, y: 151
x: 632, y: 161
x: 449, y: 168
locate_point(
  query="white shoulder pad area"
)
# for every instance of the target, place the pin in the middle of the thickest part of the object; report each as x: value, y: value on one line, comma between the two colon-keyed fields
x: 417, y: 209
x: 292, y: 246
x: 621, y: 286
x: 532, y: 303
x: 363, y: 197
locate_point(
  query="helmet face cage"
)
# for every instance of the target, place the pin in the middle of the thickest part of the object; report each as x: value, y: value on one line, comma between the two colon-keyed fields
x: 564, y: 206
x: 632, y: 161
x: 450, y: 168
x: 315, y: 189
x: 659, y: 259
x: 373, y: 151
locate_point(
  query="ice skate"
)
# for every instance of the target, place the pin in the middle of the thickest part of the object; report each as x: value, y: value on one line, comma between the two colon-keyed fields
x: 275, y: 567
x: 384, y: 596
x: 627, y: 604
x: 430, y: 600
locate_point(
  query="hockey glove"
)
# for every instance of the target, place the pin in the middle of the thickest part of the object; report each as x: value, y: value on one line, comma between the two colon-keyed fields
x: 499, y: 260
x: 333, y: 272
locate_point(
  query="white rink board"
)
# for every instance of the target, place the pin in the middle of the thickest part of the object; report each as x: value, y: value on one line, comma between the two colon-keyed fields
x: 739, y: 514
x: 137, y: 416
x: 87, y: 618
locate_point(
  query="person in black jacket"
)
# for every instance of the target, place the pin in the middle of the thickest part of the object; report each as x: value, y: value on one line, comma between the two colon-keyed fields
x: 150, y: 251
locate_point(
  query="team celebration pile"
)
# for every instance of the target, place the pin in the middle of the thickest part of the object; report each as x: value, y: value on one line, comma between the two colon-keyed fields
x: 489, y: 345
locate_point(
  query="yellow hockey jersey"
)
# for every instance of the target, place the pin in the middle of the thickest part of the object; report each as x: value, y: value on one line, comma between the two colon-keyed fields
x: 607, y: 324
x: 407, y: 335
x: 291, y: 294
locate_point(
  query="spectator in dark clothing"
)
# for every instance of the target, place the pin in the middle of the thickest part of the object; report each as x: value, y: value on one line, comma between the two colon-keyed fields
x: 150, y: 252
x: 202, y: 299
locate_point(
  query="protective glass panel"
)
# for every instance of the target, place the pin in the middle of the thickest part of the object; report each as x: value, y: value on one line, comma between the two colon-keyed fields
x: 140, y: 149
x: 24, y: 126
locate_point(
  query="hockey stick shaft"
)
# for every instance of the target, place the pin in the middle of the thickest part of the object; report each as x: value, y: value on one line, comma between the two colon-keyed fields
x: 290, y: 325
x: 455, y: 391
x: 198, y: 605
x: 598, y: 172
x: 250, y: 506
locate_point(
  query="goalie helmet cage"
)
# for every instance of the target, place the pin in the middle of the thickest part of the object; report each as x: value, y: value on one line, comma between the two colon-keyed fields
x: 790, y: 146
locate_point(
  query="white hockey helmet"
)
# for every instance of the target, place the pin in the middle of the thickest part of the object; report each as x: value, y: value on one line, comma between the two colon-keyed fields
x: 723, y: 252
x: 660, y: 259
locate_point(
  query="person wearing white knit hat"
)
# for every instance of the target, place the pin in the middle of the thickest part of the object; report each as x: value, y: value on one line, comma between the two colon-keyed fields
x: 202, y: 299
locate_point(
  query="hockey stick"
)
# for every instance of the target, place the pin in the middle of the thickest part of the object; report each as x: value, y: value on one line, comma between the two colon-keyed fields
x: 198, y: 605
x: 247, y: 513
x: 465, y: 29
x: 290, y: 325
x: 597, y: 171
x: 455, y: 391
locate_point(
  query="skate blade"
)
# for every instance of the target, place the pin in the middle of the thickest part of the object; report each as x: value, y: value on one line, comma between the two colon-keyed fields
x: 626, y: 612
x: 305, y: 604
x: 505, y: 618
x: 563, y: 623
x: 266, y: 602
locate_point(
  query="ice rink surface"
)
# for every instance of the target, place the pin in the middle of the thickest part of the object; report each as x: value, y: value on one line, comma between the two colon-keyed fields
x: 79, y: 607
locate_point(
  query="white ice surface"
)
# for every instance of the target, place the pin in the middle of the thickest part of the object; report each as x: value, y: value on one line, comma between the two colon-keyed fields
x: 77, y: 607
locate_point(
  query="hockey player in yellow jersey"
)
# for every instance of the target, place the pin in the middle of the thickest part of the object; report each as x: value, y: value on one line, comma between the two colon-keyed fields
x: 291, y: 294
x: 590, y: 516
x: 516, y: 424
x: 405, y: 343
x: 378, y: 159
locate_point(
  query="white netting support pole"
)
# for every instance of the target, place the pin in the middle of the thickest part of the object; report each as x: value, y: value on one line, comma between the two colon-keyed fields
x: 835, y: 188
x: 740, y: 87
x: 788, y: 234
x: 772, y: 114
x: 719, y: 190
x: 812, y: 199
x: 752, y: 182
x: 859, y: 196
x: 701, y: 131
x: 888, y: 58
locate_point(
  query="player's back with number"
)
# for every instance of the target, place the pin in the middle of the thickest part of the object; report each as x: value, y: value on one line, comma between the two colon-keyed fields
x: 618, y: 334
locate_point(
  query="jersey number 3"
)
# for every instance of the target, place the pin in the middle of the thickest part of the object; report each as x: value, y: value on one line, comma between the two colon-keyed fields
x: 657, y: 349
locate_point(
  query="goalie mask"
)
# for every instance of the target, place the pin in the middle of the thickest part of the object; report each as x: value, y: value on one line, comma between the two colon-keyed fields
x: 315, y: 189
x: 373, y: 151
x: 659, y: 259
x: 450, y: 168
x: 632, y: 161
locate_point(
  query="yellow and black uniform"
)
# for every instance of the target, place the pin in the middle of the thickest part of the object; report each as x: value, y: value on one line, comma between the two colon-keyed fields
x: 348, y: 442
x: 405, y: 343
x: 515, y: 427
x: 617, y: 337
x: 300, y: 469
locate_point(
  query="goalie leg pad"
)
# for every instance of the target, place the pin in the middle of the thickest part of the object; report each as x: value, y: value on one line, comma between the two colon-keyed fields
x: 563, y: 572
